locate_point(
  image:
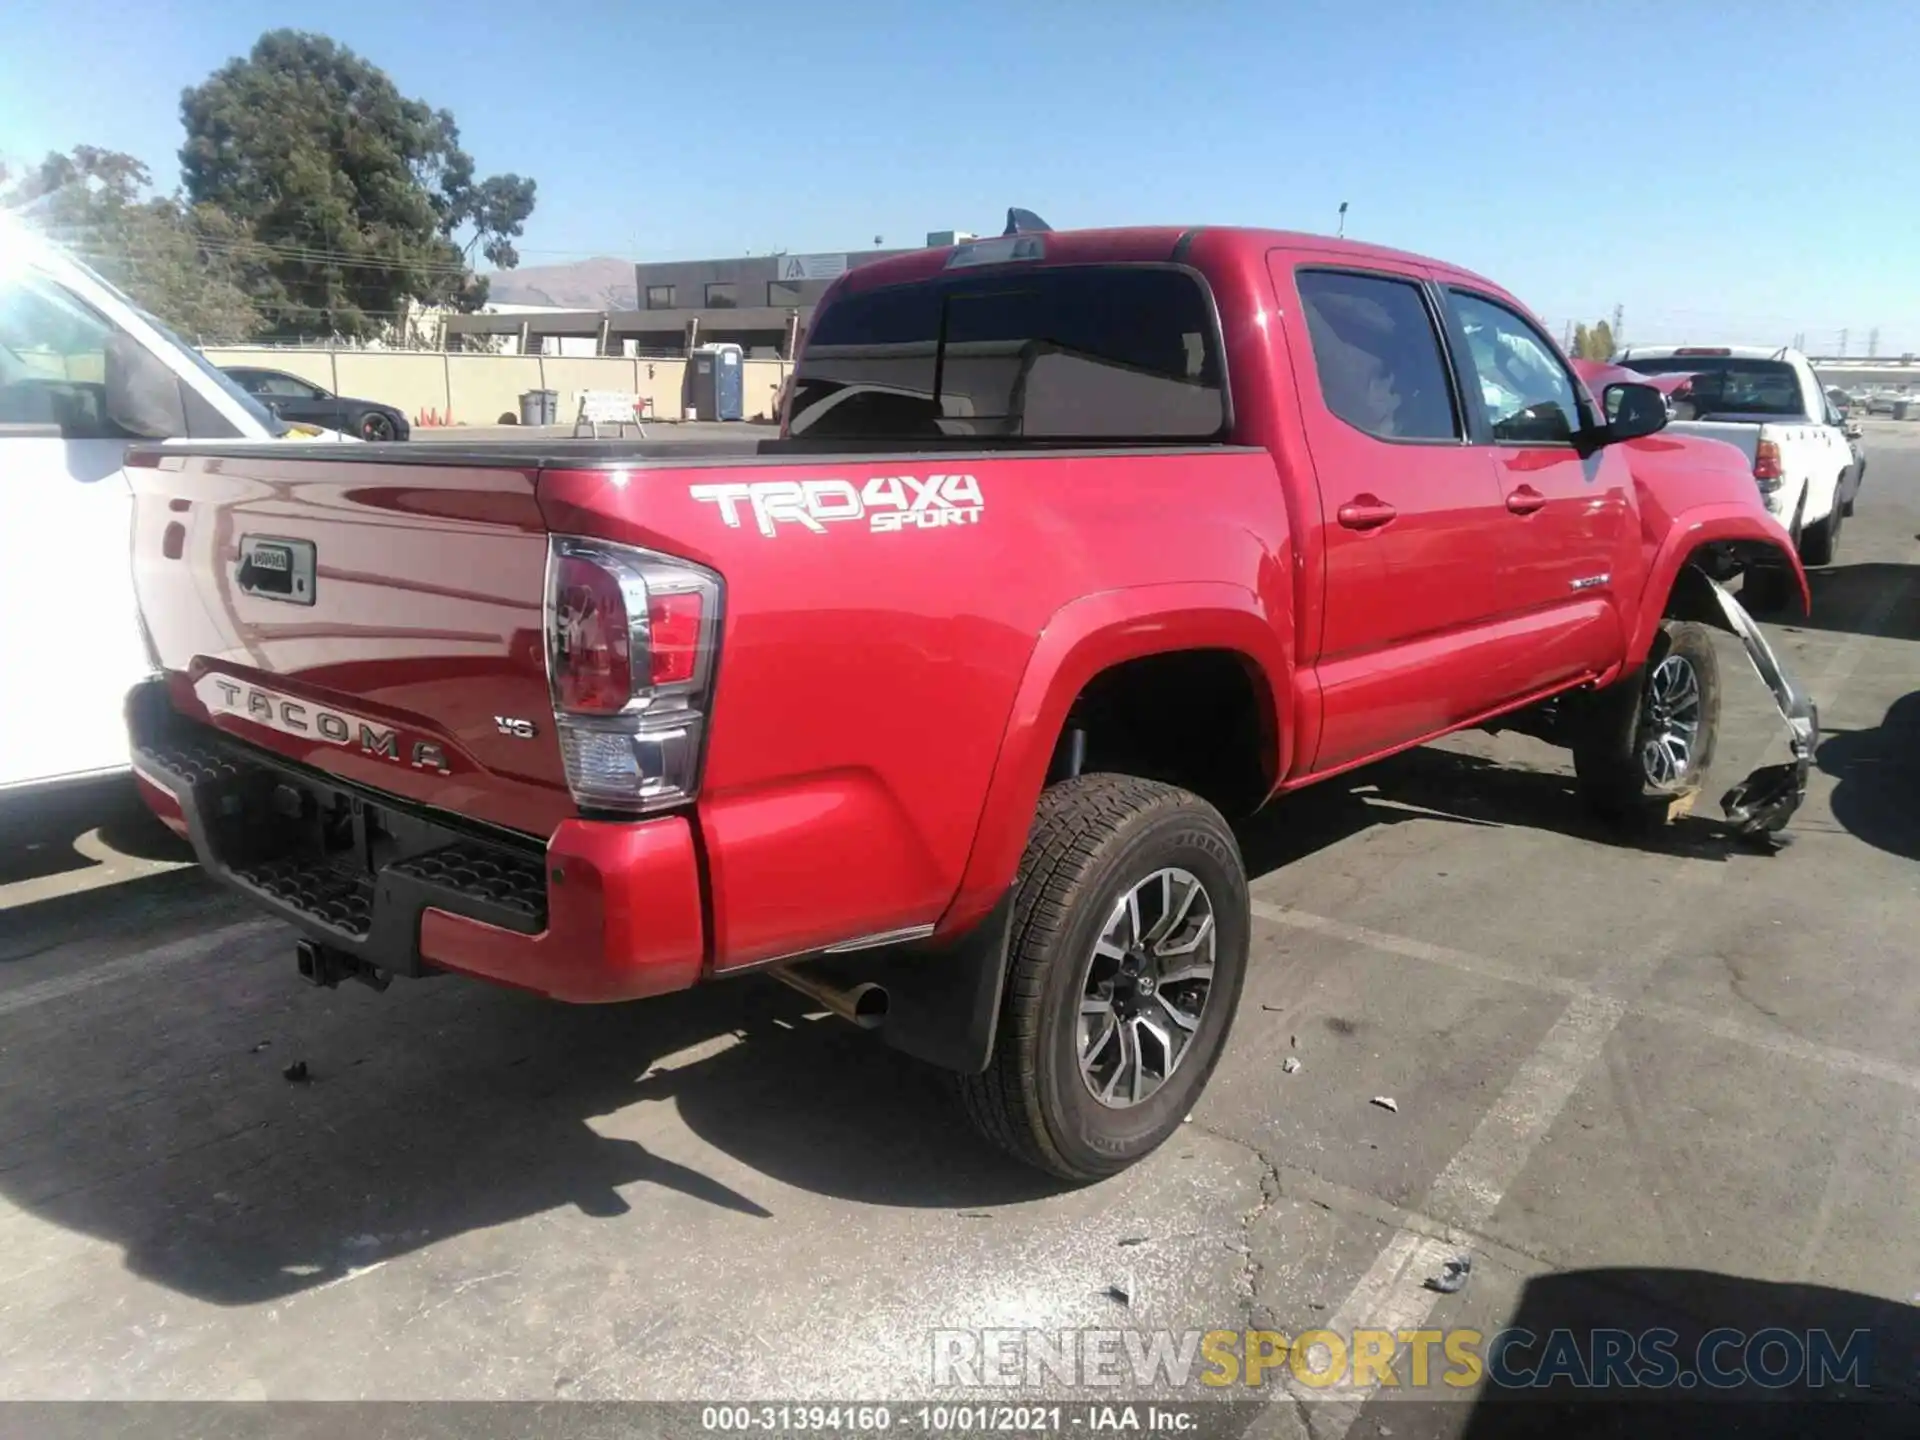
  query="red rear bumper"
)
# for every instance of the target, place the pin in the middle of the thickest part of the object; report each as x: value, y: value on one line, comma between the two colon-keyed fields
x: 607, y: 911
x: 623, y: 918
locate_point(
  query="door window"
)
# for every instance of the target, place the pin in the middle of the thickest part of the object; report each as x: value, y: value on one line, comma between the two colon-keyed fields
x: 285, y: 387
x: 1378, y: 356
x: 53, y: 365
x: 1522, y: 388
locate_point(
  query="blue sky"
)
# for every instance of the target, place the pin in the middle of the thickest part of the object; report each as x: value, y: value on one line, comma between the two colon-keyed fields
x: 1729, y: 170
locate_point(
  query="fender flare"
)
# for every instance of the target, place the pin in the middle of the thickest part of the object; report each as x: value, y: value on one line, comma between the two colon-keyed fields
x: 1083, y: 638
x: 1705, y: 525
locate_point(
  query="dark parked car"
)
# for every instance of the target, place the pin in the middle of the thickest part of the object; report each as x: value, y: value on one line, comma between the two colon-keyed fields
x: 295, y: 399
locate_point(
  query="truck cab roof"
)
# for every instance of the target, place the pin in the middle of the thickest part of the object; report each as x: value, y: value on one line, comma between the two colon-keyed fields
x: 1628, y: 354
x: 1138, y: 244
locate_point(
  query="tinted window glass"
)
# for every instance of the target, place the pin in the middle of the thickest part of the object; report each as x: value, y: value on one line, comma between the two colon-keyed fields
x: 1728, y: 385
x: 1378, y: 356
x: 1065, y: 352
x: 1525, y: 391
x: 285, y: 387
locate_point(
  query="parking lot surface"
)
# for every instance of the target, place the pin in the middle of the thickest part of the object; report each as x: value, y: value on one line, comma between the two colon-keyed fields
x: 1633, y: 1081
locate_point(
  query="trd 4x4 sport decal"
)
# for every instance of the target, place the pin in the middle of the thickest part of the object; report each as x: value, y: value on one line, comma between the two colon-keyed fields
x: 886, y: 502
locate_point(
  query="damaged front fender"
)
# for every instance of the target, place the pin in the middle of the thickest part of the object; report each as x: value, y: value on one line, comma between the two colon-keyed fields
x: 1764, y: 801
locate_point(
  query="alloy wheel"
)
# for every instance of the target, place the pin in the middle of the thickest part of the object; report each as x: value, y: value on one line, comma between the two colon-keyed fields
x: 1670, y: 722
x: 1145, y: 987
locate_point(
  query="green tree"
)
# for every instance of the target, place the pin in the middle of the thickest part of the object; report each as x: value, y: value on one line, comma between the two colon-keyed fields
x: 186, y: 268
x: 1595, y: 343
x: 356, y: 196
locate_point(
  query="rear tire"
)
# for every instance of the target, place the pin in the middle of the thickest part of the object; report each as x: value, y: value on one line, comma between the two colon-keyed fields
x: 1099, y: 841
x: 1649, y: 737
x: 1821, y: 540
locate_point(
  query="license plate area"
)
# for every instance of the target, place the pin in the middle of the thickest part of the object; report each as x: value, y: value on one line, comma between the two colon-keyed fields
x: 273, y: 568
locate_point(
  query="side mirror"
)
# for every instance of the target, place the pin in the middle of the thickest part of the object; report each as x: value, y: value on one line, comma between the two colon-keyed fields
x: 1633, y: 411
x: 1850, y: 428
x: 142, y: 394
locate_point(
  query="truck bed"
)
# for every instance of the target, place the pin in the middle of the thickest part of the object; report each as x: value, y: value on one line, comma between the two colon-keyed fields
x: 880, y: 610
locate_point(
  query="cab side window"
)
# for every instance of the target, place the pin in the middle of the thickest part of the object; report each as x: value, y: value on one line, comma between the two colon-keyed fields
x: 53, y: 366
x: 1378, y: 356
x: 1522, y: 388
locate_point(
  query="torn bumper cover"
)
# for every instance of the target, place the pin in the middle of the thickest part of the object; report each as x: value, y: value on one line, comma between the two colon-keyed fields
x: 1767, y: 798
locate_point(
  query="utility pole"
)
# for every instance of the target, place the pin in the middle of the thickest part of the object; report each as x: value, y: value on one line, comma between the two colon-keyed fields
x: 1566, y: 343
x: 1843, y: 344
x: 1619, y: 326
x: 1873, y: 343
x: 1342, y: 231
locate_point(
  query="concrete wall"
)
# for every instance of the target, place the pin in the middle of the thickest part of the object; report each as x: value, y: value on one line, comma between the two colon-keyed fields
x: 479, y: 389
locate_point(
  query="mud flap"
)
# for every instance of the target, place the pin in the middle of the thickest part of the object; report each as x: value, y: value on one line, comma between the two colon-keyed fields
x: 1764, y: 801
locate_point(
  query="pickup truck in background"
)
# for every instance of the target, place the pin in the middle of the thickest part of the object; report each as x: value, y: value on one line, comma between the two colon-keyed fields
x: 1074, y: 547
x: 1770, y: 405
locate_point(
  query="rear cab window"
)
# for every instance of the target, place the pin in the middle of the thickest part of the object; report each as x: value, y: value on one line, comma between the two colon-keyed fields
x: 1378, y: 355
x: 1730, y: 387
x: 1102, y: 353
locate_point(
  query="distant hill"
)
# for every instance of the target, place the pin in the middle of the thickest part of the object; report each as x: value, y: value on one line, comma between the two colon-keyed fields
x: 602, y: 283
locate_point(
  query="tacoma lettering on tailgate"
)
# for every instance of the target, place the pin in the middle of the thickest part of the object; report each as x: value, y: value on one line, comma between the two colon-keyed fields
x: 887, y: 503
x: 297, y: 717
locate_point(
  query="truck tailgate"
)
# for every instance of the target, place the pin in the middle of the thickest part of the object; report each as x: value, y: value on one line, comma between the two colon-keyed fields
x: 380, y: 623
x: 1744, y: 436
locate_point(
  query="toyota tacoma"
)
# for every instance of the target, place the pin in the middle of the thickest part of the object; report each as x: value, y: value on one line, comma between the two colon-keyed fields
x: 1073, y: 548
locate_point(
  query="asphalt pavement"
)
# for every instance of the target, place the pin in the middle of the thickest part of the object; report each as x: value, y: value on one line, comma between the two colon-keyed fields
x: 1667, y: 1083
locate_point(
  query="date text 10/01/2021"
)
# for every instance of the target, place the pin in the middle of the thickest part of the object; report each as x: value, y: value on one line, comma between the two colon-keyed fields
x: 949, y: 1419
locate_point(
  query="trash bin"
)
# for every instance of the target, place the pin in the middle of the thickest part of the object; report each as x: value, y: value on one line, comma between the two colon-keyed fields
x: 539, y: 407
x: 715, y: 383
x: 1902, y: 409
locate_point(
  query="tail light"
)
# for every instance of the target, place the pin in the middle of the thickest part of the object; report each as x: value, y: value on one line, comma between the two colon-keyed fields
x: 631, y: 637
x: 1766, y: 464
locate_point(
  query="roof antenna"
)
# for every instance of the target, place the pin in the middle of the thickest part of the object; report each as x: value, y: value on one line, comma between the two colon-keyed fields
x: 1025, y: 222
x: 1341, y: 233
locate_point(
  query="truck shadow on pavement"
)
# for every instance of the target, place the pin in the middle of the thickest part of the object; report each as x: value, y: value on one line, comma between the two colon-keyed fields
x: 1842, y: 1362
x: 39, y: 828
x: 1456, y: 788
x: 1876, y: 770
x: 1879, y: 598
x: 154, y: 1114
x: 151, y: 1111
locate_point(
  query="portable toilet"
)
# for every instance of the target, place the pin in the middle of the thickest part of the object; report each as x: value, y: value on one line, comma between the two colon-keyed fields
x: 716, y: 387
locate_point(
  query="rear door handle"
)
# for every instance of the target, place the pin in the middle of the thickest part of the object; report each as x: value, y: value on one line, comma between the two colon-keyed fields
x: 1365, y: 512
x: 1525, y: 500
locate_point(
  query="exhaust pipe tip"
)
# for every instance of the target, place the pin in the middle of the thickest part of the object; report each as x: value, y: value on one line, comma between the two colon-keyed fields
x: 864, y: 1004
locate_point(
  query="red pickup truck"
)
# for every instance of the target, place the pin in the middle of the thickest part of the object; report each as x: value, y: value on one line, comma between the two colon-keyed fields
x: 1072, y: 548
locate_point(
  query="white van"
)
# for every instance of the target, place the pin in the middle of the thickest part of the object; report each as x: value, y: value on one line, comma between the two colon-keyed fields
x: 83, y: 373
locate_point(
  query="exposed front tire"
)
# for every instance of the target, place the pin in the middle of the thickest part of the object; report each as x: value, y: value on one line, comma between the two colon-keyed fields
x: 1126, y: 961
x: 1648, y: 739
x: 376, y: 427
